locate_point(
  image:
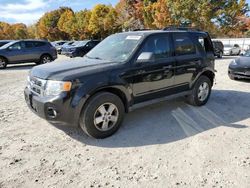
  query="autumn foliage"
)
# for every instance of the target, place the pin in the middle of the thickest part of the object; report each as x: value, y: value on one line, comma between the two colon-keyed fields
x: 224, y: 18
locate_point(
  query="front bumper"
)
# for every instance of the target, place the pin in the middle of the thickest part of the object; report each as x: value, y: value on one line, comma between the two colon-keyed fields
x: 69, y: 54
x: 240, y: 74
x: 55, y: 110
x: 227, y: 53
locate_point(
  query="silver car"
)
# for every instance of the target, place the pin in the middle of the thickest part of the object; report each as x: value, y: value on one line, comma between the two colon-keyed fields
x: 25, y: 51
x: 232, y: 50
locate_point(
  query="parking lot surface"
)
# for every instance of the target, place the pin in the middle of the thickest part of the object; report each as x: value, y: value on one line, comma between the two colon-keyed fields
x: 169, y: 144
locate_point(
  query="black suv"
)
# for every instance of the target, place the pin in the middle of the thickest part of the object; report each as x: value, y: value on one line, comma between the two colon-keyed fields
x: 25, y: 51
x: 218, y: 48
x: 79, y: 48
x: 123, y: 71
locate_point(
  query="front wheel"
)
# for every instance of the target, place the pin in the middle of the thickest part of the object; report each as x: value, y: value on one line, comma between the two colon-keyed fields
x: 3, y: 63
x: 200, y: 92
x: 102, y: 115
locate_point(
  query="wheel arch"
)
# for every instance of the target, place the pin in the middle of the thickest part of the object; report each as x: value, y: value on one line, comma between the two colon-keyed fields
x: 1, y: 56
x: 43, y: 54
x: 208, y: 73
x: 116, y: 90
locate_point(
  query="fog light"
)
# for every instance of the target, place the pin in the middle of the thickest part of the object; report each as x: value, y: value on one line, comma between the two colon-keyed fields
x: 52, y: 113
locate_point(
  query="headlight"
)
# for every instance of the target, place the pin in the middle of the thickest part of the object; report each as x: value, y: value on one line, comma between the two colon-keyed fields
x: 28, y: 82
x: 234, y: 62
x: 54, y: 88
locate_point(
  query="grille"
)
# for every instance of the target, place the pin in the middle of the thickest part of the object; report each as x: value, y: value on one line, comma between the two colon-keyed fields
x: 37, y: 85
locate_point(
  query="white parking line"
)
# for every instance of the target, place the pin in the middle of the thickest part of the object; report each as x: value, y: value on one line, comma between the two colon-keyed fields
x: 208, y: 115
x: 189, y: 126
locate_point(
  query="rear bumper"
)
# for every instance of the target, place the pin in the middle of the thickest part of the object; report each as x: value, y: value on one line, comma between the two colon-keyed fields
x: 55, y: 110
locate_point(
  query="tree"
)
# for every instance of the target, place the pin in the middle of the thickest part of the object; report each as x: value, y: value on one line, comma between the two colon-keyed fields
x: 47, y: 26
x: 6, y: 31
x: 101, y: 21
x: 20, y: 31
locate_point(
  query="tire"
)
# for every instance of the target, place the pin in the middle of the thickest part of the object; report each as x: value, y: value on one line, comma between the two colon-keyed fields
x: 3, y: 63
x: 220, y: 55
x: 45, y: 59
x: 95, y: 119
x: 239, y: 53
x: 198, y: 97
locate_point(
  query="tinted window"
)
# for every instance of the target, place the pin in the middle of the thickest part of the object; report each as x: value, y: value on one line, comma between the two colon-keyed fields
x: 17, y: 46
x: 158, y: 45
x: 205, y: 44
x: 183, y: 44
x: 38, y: 44
x: 29, y: 44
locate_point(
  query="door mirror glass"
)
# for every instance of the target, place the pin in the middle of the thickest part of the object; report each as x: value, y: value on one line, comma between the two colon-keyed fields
x: 145, y: 57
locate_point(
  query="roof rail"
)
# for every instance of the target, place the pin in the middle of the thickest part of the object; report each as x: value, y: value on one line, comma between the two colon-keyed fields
x: 141, y: 29
x: 170, y: 28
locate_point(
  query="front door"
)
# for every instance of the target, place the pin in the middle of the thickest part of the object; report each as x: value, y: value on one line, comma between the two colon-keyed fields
x: 152, y: 79
x: 16, y: 52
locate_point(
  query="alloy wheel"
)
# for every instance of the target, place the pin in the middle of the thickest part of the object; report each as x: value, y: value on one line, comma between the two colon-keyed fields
x: 203, y: 91
x: 106, y: 116
x: 2, y: 63
x: 46, y: 59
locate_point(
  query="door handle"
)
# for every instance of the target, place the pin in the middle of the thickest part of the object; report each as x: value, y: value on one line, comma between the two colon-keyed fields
x: 167, y: 67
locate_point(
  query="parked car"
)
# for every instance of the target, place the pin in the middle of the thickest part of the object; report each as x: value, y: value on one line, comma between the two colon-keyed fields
x: 3, y: 42
x: 58, y: 43
x: 232, y: 50
x: 124, y: 71
x: 79, y: 48
x: 25, y: 51
x: 218, y: 48
x: 240, y: 68
x: 65, y: 45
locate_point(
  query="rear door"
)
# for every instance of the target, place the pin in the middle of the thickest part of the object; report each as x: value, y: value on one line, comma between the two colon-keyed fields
x: 30, y: 50
x: 154, y: 78
x: 188, y: 59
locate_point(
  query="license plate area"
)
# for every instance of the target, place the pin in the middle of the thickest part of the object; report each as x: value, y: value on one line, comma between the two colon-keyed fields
x: 31, y: 102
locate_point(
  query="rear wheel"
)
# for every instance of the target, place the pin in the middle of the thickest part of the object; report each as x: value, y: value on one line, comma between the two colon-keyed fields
x: 102, y: 115
x: 3, y: 63
x: 201, y: 92
x: 45, y: 59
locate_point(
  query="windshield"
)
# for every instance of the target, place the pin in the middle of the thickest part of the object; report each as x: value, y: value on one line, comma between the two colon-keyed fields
x: 227, y: 46
x: 79, y: 43
x: 7, y: 45
x: 115, y: 48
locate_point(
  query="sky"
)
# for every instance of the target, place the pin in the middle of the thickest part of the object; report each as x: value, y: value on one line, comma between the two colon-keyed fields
x: 29, y: 11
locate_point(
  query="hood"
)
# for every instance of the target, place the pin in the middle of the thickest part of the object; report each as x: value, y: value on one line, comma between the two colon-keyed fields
x: 243, y: 62
x: 70, y: 69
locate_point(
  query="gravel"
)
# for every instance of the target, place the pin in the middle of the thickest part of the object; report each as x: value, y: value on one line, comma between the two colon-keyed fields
x: 169, y: 144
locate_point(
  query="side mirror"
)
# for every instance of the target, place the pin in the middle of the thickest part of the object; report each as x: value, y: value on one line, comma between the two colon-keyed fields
x: 145, y: 57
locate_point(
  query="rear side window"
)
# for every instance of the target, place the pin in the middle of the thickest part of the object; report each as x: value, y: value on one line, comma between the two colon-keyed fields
x: 183, y: 44
x: 39, y: 44
x: 29, y: 44
x: 159, y: 45
x: 205, y: 44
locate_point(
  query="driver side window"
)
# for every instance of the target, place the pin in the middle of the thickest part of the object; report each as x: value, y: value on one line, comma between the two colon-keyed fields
x: 16, y: 46
x: 159, y: 45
